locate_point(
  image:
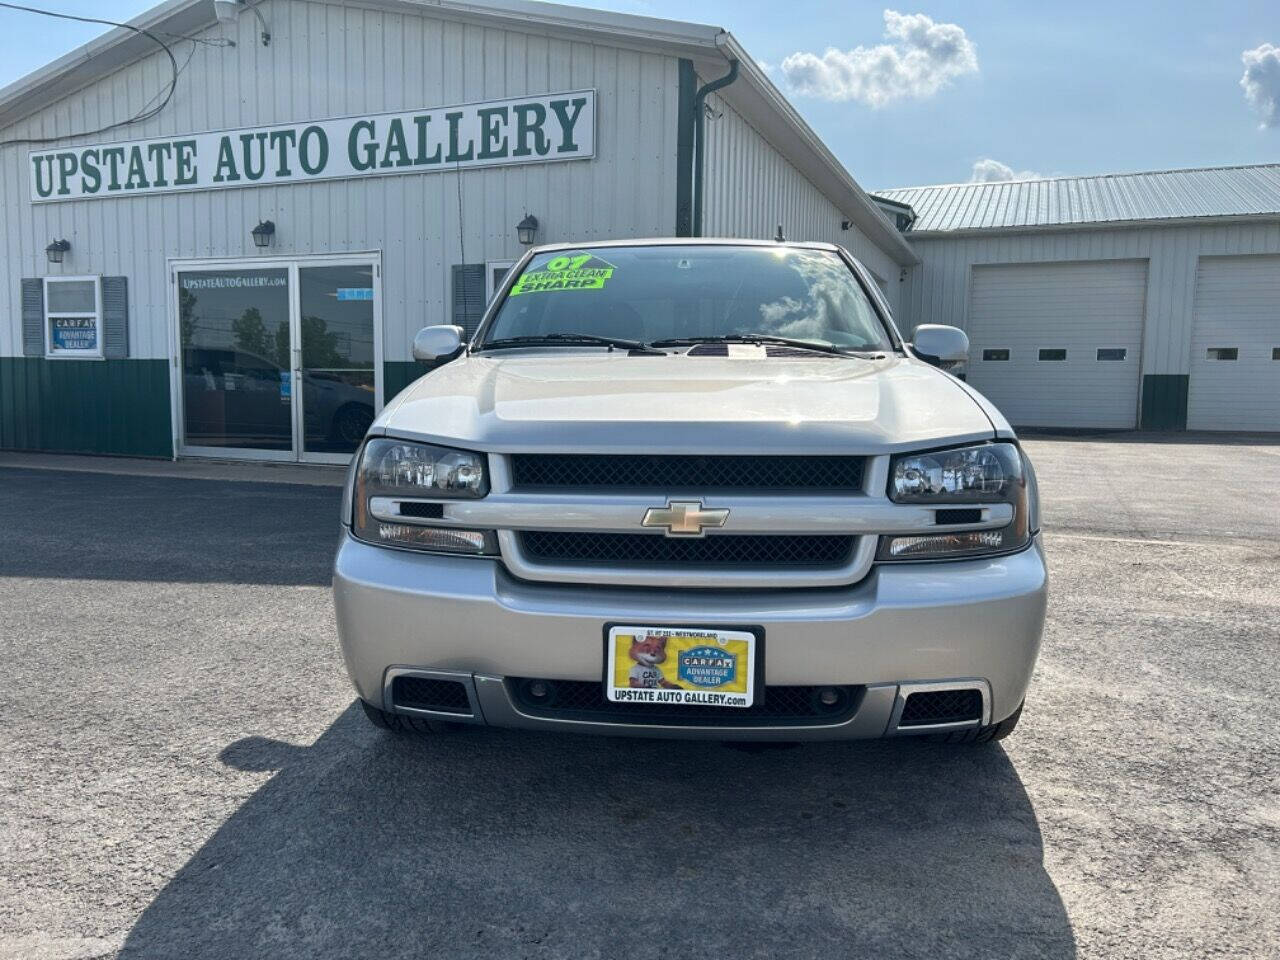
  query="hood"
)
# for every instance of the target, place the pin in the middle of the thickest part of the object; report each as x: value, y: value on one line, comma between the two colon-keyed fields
x: 565, y: 401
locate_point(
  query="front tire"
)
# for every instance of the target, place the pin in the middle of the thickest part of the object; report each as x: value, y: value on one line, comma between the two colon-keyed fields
x: 988, y: 734
x: 402, y: 724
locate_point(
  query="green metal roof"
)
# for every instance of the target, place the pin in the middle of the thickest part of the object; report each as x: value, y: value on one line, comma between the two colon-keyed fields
x: 1208, y: 192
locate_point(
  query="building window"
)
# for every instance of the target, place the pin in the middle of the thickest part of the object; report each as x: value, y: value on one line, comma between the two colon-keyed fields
x: 1223, y: 353
x: 1275, y: 353
x: 73, y: 317
x: 1000, y: 354
x: 1112, y: 353
x: 495, y: 273
x: 1053, y: 353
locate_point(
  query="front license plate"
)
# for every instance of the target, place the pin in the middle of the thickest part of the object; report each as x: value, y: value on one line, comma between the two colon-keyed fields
x: 675, y: 665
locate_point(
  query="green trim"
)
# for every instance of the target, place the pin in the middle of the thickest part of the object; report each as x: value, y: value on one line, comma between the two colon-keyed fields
x: 684, y: 149
x: 1164, y: 401
x: 85, y: 406
x: 398, y: 374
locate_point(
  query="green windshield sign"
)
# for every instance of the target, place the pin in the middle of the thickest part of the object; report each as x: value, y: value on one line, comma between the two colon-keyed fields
x: 558, y: 126
x: 570, y: 271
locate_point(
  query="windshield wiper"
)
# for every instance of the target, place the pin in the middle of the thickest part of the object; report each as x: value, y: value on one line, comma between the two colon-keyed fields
x: 569, y: 339
x: 765, y: 338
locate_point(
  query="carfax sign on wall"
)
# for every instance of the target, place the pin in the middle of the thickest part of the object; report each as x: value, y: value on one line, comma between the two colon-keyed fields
x: 558, y: 126
x: 73, y: 333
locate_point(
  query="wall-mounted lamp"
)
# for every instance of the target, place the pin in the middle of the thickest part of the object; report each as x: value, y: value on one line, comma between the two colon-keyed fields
x: 846, y: 224
x: 57, y: 250
x: 263, y: 233
x: 227, y: 10
x: 527, y: 229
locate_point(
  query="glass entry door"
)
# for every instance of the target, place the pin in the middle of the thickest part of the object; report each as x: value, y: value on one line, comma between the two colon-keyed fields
x: 277, y: 360
x: 337, y: 388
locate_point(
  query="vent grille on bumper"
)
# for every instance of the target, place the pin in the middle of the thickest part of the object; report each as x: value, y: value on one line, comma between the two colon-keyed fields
x: 941, y: 706
x: 427, y: 693
x: 780, y: 706
x: 723, y: 550
x: 686, y: 473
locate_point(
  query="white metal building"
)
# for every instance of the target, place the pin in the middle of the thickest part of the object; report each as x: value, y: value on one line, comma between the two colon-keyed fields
x: 240, y: 271
x: 1147, y: 299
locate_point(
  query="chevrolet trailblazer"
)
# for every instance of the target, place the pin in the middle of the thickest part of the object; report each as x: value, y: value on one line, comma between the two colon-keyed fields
x: 692, y: 489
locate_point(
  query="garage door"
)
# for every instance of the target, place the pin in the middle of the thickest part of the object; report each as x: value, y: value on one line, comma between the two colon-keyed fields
x: 1058, y: 344
x: 1235, y: 345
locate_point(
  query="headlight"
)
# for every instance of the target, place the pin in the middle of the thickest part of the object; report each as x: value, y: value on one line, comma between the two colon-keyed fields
x: 988, y: 474
x: 422, y: 470
x: 395, y: 485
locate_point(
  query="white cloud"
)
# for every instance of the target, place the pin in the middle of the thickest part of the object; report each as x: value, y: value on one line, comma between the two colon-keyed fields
x: 1261, y: 82
x: 988, y: 170
x: 921, y: 58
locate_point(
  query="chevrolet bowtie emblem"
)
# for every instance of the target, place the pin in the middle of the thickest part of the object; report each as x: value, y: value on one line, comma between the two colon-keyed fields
x: 684, y: 518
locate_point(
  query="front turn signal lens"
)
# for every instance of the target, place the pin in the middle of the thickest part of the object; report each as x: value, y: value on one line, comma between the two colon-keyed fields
x: 478, y: 543
x: 936, y: 546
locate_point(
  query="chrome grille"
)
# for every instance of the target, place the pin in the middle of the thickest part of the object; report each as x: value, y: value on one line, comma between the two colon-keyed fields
x: 721, y: 550
x: 689, y: 473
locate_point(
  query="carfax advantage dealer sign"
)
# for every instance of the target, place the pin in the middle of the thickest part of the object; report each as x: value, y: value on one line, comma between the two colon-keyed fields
x: 560, y: 126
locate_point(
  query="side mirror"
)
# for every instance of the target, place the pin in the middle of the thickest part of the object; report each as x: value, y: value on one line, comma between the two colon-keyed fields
x: 939, y: 344
x: 441, y: 342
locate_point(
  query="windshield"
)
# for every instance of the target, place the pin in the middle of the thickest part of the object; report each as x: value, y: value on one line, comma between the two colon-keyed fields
x: 648, y: 293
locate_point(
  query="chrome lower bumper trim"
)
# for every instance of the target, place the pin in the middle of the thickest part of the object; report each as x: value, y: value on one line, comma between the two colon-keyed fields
x: 906, y: 689
x: 473, y: 715
x: 879, y: 713
x: 870, y: 720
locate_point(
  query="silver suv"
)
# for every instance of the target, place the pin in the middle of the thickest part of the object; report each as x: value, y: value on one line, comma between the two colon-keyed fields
x: 692, y: 489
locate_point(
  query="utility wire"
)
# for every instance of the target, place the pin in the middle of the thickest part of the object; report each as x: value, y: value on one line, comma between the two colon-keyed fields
x: 462, y: 240
x: 146, y: 113
x: 206, y: 41
x: 195, y: 45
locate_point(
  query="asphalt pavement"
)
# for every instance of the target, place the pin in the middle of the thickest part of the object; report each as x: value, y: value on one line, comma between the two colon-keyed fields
x: 184, y: 775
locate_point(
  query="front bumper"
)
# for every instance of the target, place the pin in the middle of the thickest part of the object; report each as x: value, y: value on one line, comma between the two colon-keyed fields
x: 907, y: 622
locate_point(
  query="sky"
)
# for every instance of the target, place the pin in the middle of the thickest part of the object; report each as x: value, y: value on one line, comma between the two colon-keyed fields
x: 947, y: 92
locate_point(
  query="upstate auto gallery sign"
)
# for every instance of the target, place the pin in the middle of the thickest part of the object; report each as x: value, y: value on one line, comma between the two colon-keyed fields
x: 560, y: 126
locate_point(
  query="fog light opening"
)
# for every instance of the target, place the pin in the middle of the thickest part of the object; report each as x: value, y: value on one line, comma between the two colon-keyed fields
x: 539, y: 691
x: 831, y: 700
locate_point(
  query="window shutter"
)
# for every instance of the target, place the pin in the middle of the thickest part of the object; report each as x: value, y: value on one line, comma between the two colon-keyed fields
x: 32, y: 317
x: 468, y: 296
x: 115, y: 317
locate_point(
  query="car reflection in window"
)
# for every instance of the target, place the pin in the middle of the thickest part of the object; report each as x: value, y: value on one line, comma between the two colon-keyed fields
x: 256, y: 396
